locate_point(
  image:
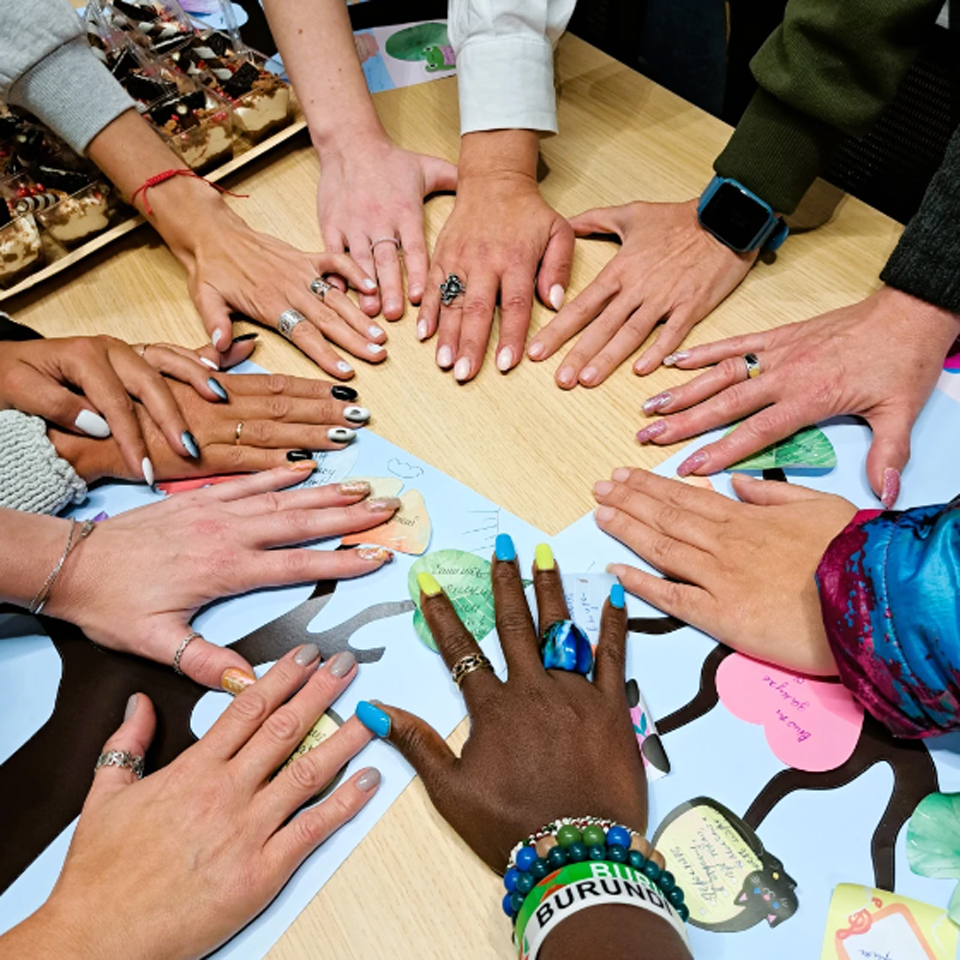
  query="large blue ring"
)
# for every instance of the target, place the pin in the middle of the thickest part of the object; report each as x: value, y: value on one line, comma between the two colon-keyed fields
x: 564, y: 646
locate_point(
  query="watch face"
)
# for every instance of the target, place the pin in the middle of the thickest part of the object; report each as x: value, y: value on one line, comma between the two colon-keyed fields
x: 734, y: 216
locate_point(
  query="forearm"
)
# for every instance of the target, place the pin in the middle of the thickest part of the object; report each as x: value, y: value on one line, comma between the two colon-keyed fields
x: 626, y: 933
x: 33, y: 543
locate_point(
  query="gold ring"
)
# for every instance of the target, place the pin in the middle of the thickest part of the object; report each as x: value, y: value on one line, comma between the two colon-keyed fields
x: 236, y: 435
x: 752, y: 363
x: 466, y: 665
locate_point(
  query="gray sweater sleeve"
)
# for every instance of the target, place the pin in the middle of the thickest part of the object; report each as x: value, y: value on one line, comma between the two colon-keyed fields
x: 33, y: 477
x: 47, y: 67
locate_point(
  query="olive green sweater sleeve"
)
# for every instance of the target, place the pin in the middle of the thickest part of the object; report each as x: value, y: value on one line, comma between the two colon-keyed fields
x: 829, y: 70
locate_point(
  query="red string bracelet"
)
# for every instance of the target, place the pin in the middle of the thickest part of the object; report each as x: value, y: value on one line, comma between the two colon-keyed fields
x: 169, y: 175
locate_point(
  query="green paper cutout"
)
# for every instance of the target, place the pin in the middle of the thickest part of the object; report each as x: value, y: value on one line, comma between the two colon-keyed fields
x: 409, y: 44
x: 933, y: 842
x: 465, y: 578
x: 808, y: 449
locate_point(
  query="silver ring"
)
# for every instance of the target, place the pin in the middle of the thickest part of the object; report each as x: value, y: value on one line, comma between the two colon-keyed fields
x: 466, y: 665
x: 319, y: 288
x: 120, y: 758
x: 752, y: 363
x: 392, y: 240
x: 451, y: 288
x: 288, y: 320
x: 179, y: 654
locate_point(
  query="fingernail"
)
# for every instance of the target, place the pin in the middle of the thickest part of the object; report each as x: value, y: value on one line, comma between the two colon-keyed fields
x: 536, y: 350
x: 375, y: 348
x: 602, y: 487
x: 643, y: 366
x: 306, y: 655
x: 216, y: 337
x: 657, y: 402
x: 356, y: 414
x: 891, y: 487
x: 543, y: 556
x: 374, y: 330
x: 654, y: 430
x: 146, y: 465
x: 674, y: 358
x: 210, y: 363
x: 189, y: 442
x: 307, y: 466
x: 92, y: 424
x: 617, y: 598
x: 217, y: 388
x: 566, y: 376
x: 344, y: 393
x: 244, y: 337
x: 368, y: 284
x: 421, y: 329
x: 692, y: 463
x: 462, y: 370
x: 235, y: 680
x: 344, y: 367
x: 391, y: 305
x: 294, y: 456
x: 621, y: 474
x: 504, y: 547
x: 341, y: 434
x: 373, y: 718
x: 354, y: 488
x: 369, y: 779
x: 589, y: 375
x: 375, y: 554
x: 341, y: 664
x: 505, y: 359
x: 557, y: 294
x: 604, y: 513
x: 130, y: 708
x: 383, y: 504
x: 428, y: 584
x: 444, y: 357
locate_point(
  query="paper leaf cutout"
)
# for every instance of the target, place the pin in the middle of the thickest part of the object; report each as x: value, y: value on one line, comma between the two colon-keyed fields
x: 465, y: 578
x: 933, y: 842
x: 809, y: 449
x: 407, y: 531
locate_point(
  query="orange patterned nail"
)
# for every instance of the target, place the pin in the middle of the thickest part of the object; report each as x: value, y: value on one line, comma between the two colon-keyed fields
x: 354, y: 488
x: 379, y: 554
x: 235, y: 680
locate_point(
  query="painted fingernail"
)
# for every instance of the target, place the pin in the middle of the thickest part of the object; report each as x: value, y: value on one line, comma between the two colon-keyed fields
x: 428, y: 585
x: 891, y: 487
x: 461, y: 371
x: 368, y: 284
x: 375, y: 348
x: 654, y: 430
x: 344, y: 367
x: 373, y: 718
x: 375, y: 554
x: 210, y: 363
x: 589, y: 375
x: 656, y: 403
x: 444, y: 357
x: 344, y: 393
x: 131, y: 708
x: 557, y: 293
x: 217, y: 388
x: 383, y: 504
x: 294, y: 456
x: 392, y: 305
x: 692, y: 463
x: 421, y: 329
x: 244, y: 337
x: 190, y: 444
x: 602, y: 487
x: 617, y: 598
x: 543, y: 556
x: 341, y: 434
x: 146, y: 465
x: 604, y: 513
x: 504, y: 547
x: 356, y: 414
x: 369, y: 779
x: 566, y: 376
x: 354, y: 488
x: 306, y: 655
x: 235, y: 680
x: 341, y: 664
x: 306, y: 466
x: 621, y: 474
x: 92, y: 424
x: 216, y: 337
x: 505, y: 359
x: 536, y: 350
x: 675, y: 358
x: 643, y: 366
x: 374, y: 331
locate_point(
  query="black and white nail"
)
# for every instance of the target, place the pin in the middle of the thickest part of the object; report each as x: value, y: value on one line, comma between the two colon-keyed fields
x: 356, y: 414
x: 341, y: 434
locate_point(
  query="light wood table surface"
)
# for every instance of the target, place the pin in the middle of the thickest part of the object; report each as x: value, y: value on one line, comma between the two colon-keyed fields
x: 412, y: 889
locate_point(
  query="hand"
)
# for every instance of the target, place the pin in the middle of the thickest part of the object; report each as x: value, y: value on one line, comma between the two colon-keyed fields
x: 279, y: 418
x: 372, y: 189
x: 179, y: 362
x: 184, y: 858
x: 742, y: 572
x: 571, y: 742
x: 137, y: 581
x: 500, y: 234
x: 668, y: 269
x: 879, y: 359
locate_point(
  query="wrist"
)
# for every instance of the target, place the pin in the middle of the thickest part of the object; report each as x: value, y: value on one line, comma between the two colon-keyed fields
x: 342, y: 141
x: 42, y: 936
x: 181, y: 208
x: 91, y: 459
x: 499, y: 155
x: 46, y: 537
x: 936, y: 324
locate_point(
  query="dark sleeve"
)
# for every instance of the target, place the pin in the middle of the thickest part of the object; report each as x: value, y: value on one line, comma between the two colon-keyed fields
x: 926, y: 262
x: 16, y: 331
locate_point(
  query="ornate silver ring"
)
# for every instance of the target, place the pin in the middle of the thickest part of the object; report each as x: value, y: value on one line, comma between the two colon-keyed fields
x: 451, y: 288
x: 121, y: 758
x: 178, y: 656
x: 319, y: 287
x: 288, y: 320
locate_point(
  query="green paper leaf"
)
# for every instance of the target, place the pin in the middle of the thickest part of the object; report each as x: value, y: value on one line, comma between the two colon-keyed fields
x: 809, y: 449
x: 409, y: 44
x: 933, y: 838
x: 465, y: 579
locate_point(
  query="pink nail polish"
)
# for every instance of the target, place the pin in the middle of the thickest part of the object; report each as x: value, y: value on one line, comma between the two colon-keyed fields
x: 692, y: 463
x: 891, y: 487
x: 675, y: 358
x: 566, y: 376
x: 536, y: 350
x: 654, y: 430
x: 588, y: 376
x: 657, y: 403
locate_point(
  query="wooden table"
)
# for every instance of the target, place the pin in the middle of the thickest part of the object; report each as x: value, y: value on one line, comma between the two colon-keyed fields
x: 516, y: 439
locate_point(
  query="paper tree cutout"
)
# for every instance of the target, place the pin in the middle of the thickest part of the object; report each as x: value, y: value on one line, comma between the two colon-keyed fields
x: 808, y: 449
x: 933, y: 842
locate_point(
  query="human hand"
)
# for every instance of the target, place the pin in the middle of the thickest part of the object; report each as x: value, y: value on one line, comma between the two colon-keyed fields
x: 571, y: 742
x: 372, y: 189
x: 668, y: 269
x: 879, y: 359
x: 184, y: 858
x: 742, y: 572
x: 137, y: 581
x: 501, y: 238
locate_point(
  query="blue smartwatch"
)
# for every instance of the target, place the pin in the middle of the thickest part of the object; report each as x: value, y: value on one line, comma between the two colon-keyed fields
x: 738, y: 218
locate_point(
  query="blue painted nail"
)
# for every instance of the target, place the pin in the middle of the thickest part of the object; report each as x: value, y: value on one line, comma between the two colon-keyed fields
x: 373, y: 718
x: 504, y: 547
x: 217, y: 388
x: 189, y: 442
x: 616, y: 596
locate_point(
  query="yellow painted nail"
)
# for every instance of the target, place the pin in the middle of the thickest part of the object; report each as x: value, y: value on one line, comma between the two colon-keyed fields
x: 544, y: 557
x: 235, y: 680
x: 428, y: 584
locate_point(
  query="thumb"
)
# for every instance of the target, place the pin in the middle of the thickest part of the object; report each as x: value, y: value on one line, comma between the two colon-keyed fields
x: 889, y: 453
x: 212, y: 666
x: 215, y: 314
x: 771, y: 493
x: 438, y: 175
x: 597, y: 220
x: 557, y: 262
x: 131, y: 741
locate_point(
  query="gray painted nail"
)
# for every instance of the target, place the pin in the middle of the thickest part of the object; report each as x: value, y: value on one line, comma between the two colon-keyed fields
x: 190, y: 444
x: 368, y: 780
x: 306, y: 654
x: 342, y: 663
x: 217, y: 388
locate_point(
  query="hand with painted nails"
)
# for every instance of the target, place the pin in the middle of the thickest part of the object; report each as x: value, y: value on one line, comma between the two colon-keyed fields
x: 501, y: 241
x: 240, y: 423
x: 135, y: 583
x: 187, y: 856
x: 741, y: 571
x: 668, y: 269
x: 543, y: 744
x: 878, y: 359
